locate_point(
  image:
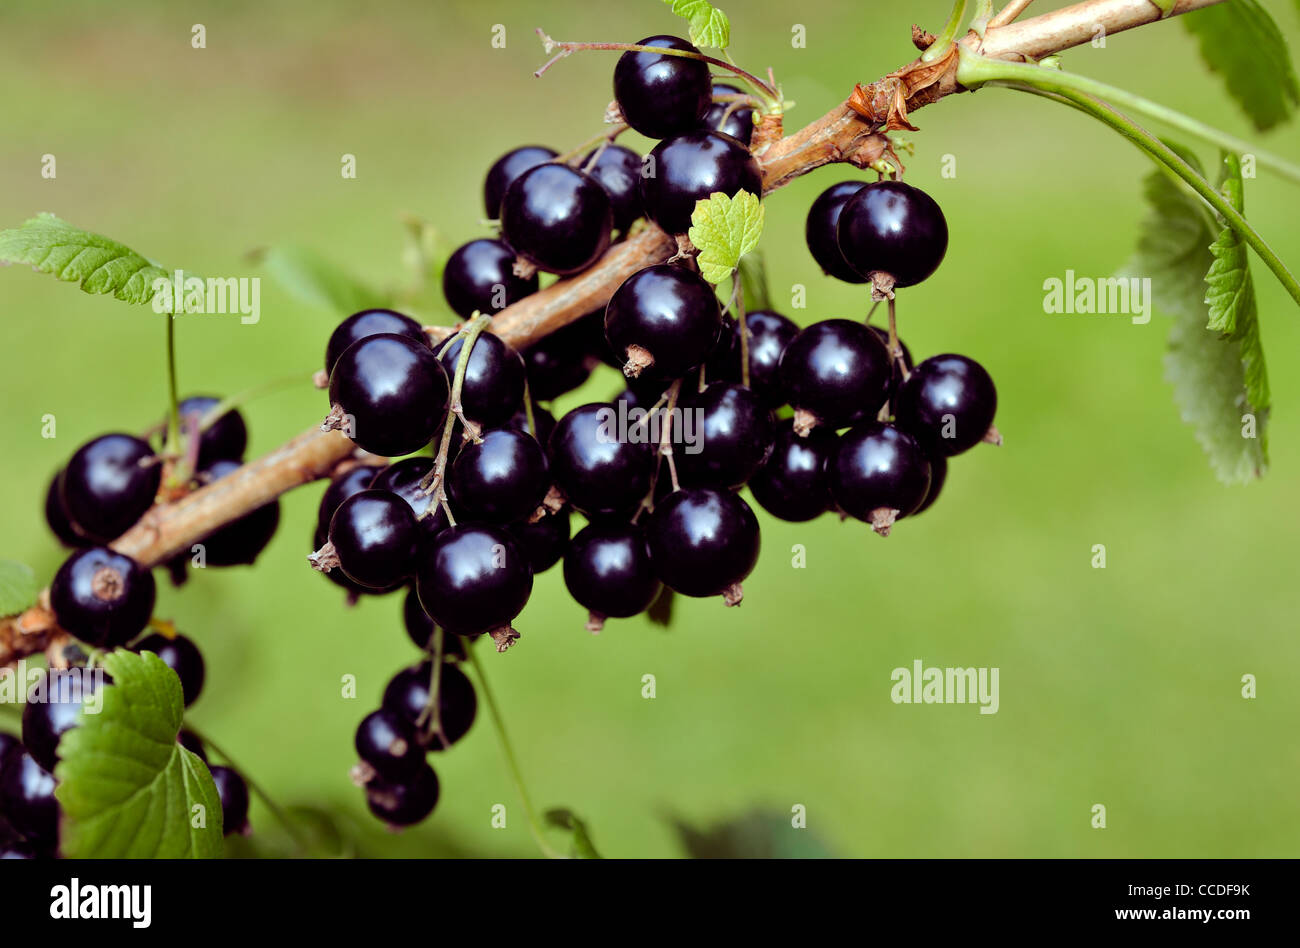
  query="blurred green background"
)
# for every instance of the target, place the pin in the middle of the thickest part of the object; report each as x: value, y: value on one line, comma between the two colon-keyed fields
x: 1118, y: 686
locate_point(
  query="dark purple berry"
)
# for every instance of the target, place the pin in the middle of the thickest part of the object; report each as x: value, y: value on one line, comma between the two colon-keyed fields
x: 241, y: 541
x: 233, y: 793
x: 739, y: 124
x: 56, y: 517
x: 938, y: 474
x: 474, y: 579
x: 405, y: 802
x: 660, y: 94
x: 835, y: 373
x: 878, y: 474
x: 54, y: 707
x: 420, y: 629
x: 559, y: 362
x: 821, y: 231
x: 596, y: 469
x: 895, y: 373
x: 892, y: 228
x: 508, y: 167
x: 376, y: 538
x: 500, y: 478
x: 223, y: 440
x: 108, y: 485
x: 394, y: 391
x: 792, y: 484
x: 405, y: 479
x: 386, y: 742
x: 703, y: 542
x: 769, y: 334
x: 102, y: 597
x: 618, y: 171
x: 182, y: 656
x: 493, y: 389
x: 479, y: 277
x: 691, y: 167
x: 371, y: 322
x: 607, y: 570
x: 353, y: 481
x: 663, y: 321
x: 557, y: 218
x: 948, y: 404
x: 731, y: 434
x: 544, y: 540
x: 27, y: 799
x: 407, y: 696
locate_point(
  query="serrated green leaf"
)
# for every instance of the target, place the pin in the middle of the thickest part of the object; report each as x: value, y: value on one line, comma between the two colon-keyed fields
x: 100, y: 265
x: 709, y: 26
x: 724, y: 229
x: 1242, y: 42
x: 18, y: 587
x: 566, y: 820
x: 126, y: 786
x: 311, y: 278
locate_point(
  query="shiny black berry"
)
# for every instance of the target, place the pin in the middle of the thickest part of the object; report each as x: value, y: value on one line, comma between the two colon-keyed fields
x: 241, y: 541
x: 948, y: 404
x: 108, y: 485
x: 54, y: 707
x: 479, y: 277
x: 661, y: 94
x: 792, y: 484
x: 500, y: 478
x: 393, y: 393
x: 559, y: 362
x: 233, y: 793
x: 386, y: 742
x: 474, y: 579
x: 375, y: 538
x: 420, y: 629
x: 895, y: 373
x: 56, y: 516
x: 542, y: 425
x: 739, y: 124
x: 598, y: 468
x: 225, y: 439
x: 691, y: 167
x: 182, y: 656
x: 544, y: 540
x: 892, y: 228
x: 607, y: 570
x: 101, y: 597
x: 663, y: 321
x: 508, y: 167
x: 27, y: 798
x: 938, y: 474
x: 407, y: 696
x: 404, y: 802
x: 557, y: 218
x: 352, y: 481
x: 821, y: 231
x: 371, y: 322
x: 769, y: 334
x: 703, y: 542
x: 405, y: 479
x: 618, y: 171
x: 725, y: 433
x: 494, y: 379
x: 835, y: 373
x: 878, y: 474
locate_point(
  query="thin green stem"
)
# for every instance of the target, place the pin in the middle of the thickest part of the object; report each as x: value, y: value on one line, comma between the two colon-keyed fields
x: 434, y: 482
x: 172, y: 443
x: 949, y: 34
x: 528, y: 410
x: 507, y: 751
x: 742, y: 326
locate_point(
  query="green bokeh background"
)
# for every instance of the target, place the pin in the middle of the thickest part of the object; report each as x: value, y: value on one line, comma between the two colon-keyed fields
x: 1118, y: 686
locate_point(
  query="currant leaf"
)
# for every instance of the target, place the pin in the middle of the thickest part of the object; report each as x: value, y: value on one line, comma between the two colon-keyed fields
x: 18, y: 587
x: 724, y: 229
x: 709, y: 26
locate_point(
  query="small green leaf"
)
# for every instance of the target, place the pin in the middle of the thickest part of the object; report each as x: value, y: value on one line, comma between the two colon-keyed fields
x: 311, y: 278
x: 709, y: 26
x: 127, y: 787
x: 724, y: 229
x: 565, y: 819
x: 753, y: 282
x: 100, y: 265
x: 1242, y: 42
x: 18, y: 587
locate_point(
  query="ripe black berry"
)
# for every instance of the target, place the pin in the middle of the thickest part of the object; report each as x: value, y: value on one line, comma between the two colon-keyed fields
x: 661, y: 95
x: 182, y: 656
x: 404, y: 478
x: 557, y: 218
x: 703, y: 542
x: 474, y: 579
x: 732, y: 436
x: 493, y: 388
x: 352, y: 481
x: 739, y: 124
x: 792, y: 484
x: 27, y: 798
x: 878, y: 474
x: 387, y: 743
x: 54, y: 707
x: 56, y: 516
x: 618, y: 171
x: 689, y: 168
x: 505, y: 169
x: 233, y: 793
x: 109, y: 483
x: 500, y: 478
x: 394, y: 390
x: 938, y: 474
x: 407, y: 696
x: 543, y: 540
x: 608, y: 571
x: 895, y: 373
x: 479, y: 277
x: 598, y: 472
x: 375, y: 538
x: 541, y: 428
x: 892, y: 228
x: 240, y: 541
x: 821, y: 231
x: 371, y: 322
x: 405, y: 802
x: 101, y: 597
x: 224, y: 440
x: 948, y: 404
x: 559, y: 362
x: 663, y: 320
x: 769, y: 334
x: 420, y: 629
x: 835, y: 372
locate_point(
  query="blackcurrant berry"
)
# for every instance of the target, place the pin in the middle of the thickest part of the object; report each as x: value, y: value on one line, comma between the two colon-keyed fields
x: 102, y: 597
x: 894, y: 229
x: 948, y: 404
x: 739, y: 124
x: 387, y: 743
x: 407, y: 696
x: 895, y: 373
x: 731, y: 437
x: 541, y: 428
x: 500, y: 478
x: 821, y: 234
x: 27, y: 798
x: 54, y: 707
x: 691, y: 167
x: 224, y: 440
x: 9, y: 746
x: 405, y: 802
x: 703, y: 542
x: 878, y: 474
x: 493, y: 388
x: 241, y: 541
x: 56, y: 516
x: 353, y: 481
x: 618, y: 171
x: 558, y: 363
x: 404, y: 478
x: 375, y: 538
x: 394, y: 391
x: 371, y: 322
x: 544, y: 540
x: 479, y: 277
x: 938, y: 474
x: 835, y: 372
x: 233, y: 793
x: 557, y: 218
x: 792, y: 484
x: 663, y: 320
x: 420, y: 629
x: 769, y: 334
x: 182, y: 656
x: 108, y: 485
x: 607, y: 570
x: 660, y: 94
x: 19, y: 849
x: 191, y: 742
x: 598, y: 472
x: 505, y: 169
x: 320, y: 536
x: 474, y: 579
